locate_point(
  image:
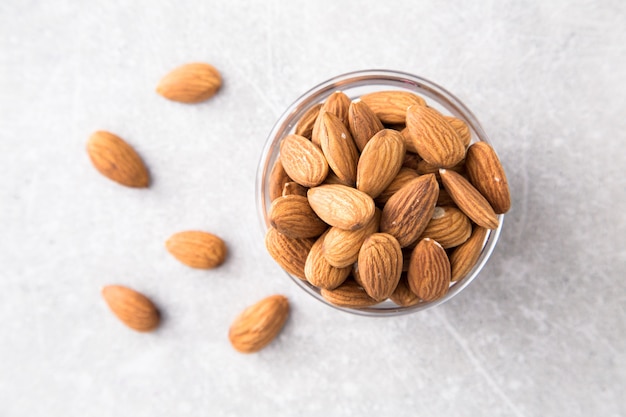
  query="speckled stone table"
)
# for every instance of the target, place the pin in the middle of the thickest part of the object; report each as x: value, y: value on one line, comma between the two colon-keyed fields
x: 541, y: 333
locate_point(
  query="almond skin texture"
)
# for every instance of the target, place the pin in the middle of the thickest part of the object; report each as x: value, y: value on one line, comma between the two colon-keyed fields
x: 117, y: 160
x: 332, y: 178
x: 407, y: 213
x: 435, y: 140
x: 289, y: 253
x: 462, y: 129
x: 190, y: 83
x: 293, y: 188
x: 449, y: 227
x: 380, y: 265
x: 341, y: 247
x: 259, y: 324
x: 278, y: 179
x: 391, y: 106
x: 404, y: 176
x: 339, y: 148
x: 292, y: 216
x: 349, y: 294
x: 403, y: 296
x: 364, y: 124
x: 380, y: 162
x: 306, y: 122
x: 468, y: 199
x: 337, y: 104
x: 132, y: 308
x: 319, y: 272
x: 429, y: 271
x: 196, y: 249
x: 463, y: 259
x: 408, y: 140
x: 303, y: 161
x: 340, y: 206
x: 486, y: 173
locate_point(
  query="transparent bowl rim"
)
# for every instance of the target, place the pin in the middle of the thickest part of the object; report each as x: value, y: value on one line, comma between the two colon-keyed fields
x: 399, y: 80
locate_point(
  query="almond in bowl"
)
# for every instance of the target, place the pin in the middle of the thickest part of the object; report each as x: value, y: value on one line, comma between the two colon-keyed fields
x: 379, y: 193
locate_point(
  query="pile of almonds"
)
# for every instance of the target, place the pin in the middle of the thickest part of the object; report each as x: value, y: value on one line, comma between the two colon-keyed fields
x: 114, y: 158
x: 382, y: 198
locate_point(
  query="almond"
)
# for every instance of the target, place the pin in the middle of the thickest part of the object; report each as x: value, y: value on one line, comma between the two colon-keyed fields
x: 403, y: 296
x: 408, y: 140
x: 435, y: 140
x: 404, y: 176
x: 117, y: 160
x: 293, y: 188
x: 407, y: 213
x: 380, y: 162
x: 463, y: 258
x: 429, y: 271
x: 132, y: 308
x: 363, y: 123
x: 259, y: 324
x: 278, y: 179
x: 196, y: 249
x: 462, y: 129
x: 190, y: 83
x: 292, y: 216
x: 391, y: 106
x: 341, y: 247
x: 349, y: 294
x: 319, y: 272
x: 289, y: 253
x: 468, y: 199
x: 486, y: 173
x: 341, y: 206
x: 306, y: 122
x: 449, y: 227
x: 337, y: 104
x: 332, y: 178
x: 303, y: 161
x: 339, y: 148
x: 380, y: 265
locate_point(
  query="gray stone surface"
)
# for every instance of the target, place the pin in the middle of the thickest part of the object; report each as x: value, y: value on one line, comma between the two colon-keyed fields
x: 541, y: 333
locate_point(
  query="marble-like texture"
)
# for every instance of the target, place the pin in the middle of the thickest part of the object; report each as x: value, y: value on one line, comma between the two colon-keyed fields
x: 541, y: 333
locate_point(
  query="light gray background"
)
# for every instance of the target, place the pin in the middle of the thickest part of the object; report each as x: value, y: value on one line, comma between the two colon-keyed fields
x: 541, y: 333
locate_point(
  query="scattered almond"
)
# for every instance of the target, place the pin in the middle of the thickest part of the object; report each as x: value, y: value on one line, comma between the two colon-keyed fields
x: 259, y: 324
x: 196, y: 249
x: 132, y: 308
x: 117, y: 160
x: 190, y: 83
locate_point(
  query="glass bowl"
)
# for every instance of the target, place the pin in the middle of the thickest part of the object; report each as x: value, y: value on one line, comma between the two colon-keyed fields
x: 355, y: 84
